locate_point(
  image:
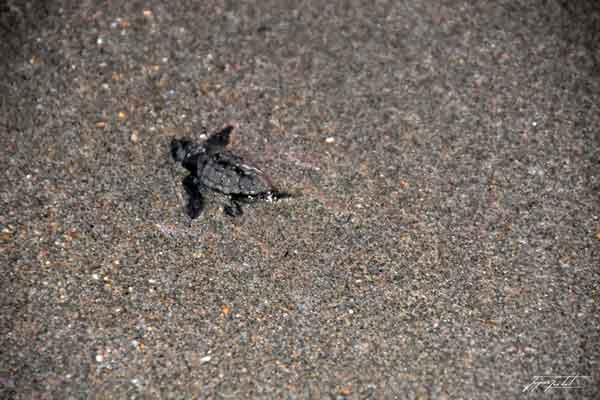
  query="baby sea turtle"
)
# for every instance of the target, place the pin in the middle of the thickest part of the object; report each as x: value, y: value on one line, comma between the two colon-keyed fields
x: 212, y: 167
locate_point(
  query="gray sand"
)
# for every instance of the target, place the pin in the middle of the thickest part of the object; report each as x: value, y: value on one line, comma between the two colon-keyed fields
x: 446, y: 244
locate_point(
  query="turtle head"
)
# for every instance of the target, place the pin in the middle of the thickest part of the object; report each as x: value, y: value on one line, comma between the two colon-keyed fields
x: 180, y: 149
x: 190, y: 155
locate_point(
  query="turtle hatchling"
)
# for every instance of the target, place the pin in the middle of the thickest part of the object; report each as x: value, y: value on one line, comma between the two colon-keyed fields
x: 212, y: 167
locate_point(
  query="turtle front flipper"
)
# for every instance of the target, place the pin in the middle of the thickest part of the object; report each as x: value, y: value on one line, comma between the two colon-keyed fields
x: 194, y: 190
x: 218, y: 141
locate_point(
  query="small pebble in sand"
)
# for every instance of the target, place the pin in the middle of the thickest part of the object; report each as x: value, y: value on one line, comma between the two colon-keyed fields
x: 205, y: 359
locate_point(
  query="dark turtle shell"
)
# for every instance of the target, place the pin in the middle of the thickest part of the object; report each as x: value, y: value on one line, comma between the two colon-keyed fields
x: 228, y: 173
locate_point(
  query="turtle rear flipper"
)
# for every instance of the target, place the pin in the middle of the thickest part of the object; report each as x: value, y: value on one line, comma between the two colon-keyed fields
x: 234, y: 209
x: 275, y: 195
x: 272, y: 195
